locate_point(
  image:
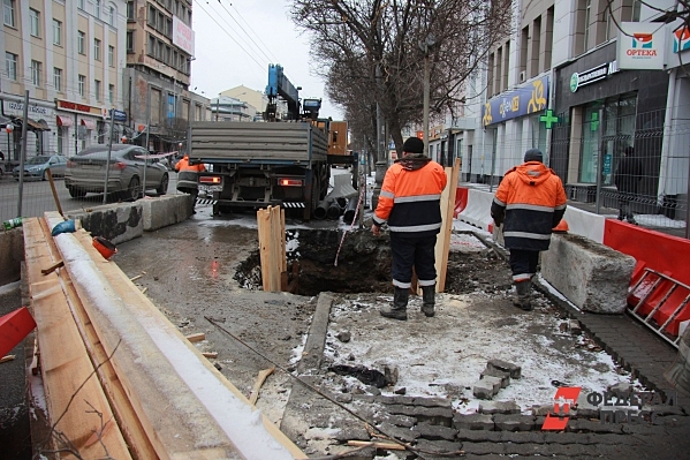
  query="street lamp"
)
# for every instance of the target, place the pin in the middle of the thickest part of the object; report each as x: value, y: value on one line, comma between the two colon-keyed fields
x: 426, y: 46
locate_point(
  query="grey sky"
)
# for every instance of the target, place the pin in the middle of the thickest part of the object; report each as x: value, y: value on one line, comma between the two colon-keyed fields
x: 235, y: 41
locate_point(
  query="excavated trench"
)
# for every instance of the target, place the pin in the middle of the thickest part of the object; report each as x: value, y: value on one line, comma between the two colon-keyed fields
x: 364, y: 265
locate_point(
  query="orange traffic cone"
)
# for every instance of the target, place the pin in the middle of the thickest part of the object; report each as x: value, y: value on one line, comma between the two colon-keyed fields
x: 562, y: 227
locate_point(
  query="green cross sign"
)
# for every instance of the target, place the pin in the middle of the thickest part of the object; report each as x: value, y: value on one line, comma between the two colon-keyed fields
x: 549, y: 119
x: 594, y: 125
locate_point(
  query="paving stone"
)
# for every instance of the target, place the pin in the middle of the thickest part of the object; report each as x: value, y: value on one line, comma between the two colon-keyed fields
x: 433, y: 415
x: 588, y: 426
x: 514, y: 422
x: 440, y: 447
x: 495, y: 381
x: 473, y: 422
x: 661, y: 411
x: 542, y: 410
x: 403, y: 421
x: 478, y: 436
x: 493, y: 372
x: 498, y: 407
x: 483, y: 389
x: 403, y: 434
x: 435, y: 432
x: 514, y: 370
x: 351, y: 430
x: 484, y: 448
x: 523, y: 437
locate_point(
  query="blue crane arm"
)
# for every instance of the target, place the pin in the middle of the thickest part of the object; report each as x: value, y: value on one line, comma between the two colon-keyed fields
x: 279, y: 85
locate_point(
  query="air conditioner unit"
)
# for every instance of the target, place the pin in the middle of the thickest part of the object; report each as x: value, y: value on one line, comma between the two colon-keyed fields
x: 522, y: 76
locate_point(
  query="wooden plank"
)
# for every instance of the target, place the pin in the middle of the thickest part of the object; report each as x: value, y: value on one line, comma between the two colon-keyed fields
x: 263, y: 220
x: 65, y: 365
x: 283, y: 241
x: 141, y: 447
x: 443, y: 241
x: 378, y: 445
x: 276, y: 248
x: 198, y: 337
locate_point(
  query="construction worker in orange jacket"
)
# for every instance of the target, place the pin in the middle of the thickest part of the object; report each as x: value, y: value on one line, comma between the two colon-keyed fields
x: 529, y: 202
x: 410, y: 202
x: 188, y: 177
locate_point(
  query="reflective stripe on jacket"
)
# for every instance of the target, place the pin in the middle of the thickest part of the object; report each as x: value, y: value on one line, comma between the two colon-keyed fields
x: 530, y: 201
x: 410, y: 201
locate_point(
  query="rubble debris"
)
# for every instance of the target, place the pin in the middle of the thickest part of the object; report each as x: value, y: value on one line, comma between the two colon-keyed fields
x: 343, y: 336
x: 198, y: 337
x: 514, y: 370
x: 361, y: 373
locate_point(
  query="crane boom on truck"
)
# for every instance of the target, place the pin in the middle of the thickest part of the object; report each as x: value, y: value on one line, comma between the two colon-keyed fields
x: 257, y: 164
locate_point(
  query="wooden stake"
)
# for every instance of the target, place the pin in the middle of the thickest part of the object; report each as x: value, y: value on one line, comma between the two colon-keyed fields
x: 198, y: 337
x: 260, y: 379
x: 378, y: 445
x: 443, y: 241
x: 52, y: 268
x: 55, y: 195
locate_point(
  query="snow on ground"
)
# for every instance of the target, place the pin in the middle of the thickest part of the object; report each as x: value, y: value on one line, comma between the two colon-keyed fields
x: 444, y: 356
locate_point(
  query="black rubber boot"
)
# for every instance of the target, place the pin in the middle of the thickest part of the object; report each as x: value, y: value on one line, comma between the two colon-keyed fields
x: 428, y: 300
x: 399, y: 308
x: 523, y: 295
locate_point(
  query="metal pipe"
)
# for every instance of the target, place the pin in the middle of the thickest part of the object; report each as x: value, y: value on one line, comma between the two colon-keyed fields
x: 350, y: 210
x: 22, y: 152
x: 107, y: 161
x: 334, y: 210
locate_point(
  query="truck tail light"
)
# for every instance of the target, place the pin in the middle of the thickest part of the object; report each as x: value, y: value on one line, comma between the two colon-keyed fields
x: 290, y: 182
x: 210, y: 180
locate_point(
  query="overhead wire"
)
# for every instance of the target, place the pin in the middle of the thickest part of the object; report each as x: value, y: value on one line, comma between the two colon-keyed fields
x: 246, y: 33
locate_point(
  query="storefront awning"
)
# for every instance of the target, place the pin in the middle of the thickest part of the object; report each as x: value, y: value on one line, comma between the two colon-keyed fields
x: 90, y: 124
x: 64, y: 121
x: 33, y: 125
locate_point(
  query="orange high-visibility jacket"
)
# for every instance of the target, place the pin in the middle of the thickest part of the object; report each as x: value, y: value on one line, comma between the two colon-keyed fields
x: 183, y: 165
x: 530, y: 201
x: 410, y: 200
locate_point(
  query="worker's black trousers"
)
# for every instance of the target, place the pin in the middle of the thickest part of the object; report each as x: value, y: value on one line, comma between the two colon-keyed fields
x: 408, y: 251
x: 523, y: 263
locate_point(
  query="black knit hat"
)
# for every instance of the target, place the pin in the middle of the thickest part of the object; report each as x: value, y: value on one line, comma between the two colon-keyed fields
x: 413, y: 145
x: 534, y: 155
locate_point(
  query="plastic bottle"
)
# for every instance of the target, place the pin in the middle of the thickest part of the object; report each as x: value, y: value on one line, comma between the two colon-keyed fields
x: 12, y: 223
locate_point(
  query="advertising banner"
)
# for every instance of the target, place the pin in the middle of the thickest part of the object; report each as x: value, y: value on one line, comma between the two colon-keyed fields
x: 531, y: 98
x: 641, y: 45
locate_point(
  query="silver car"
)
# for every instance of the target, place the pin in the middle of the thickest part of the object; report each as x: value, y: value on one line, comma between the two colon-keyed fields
x: 87, y: 170
x: 36, y: 167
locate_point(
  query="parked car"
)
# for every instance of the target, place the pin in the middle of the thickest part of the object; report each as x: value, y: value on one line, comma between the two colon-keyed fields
x: 86, y: 172
x: 36, y: 167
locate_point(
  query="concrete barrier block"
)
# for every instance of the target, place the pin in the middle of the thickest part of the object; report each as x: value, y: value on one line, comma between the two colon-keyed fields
x: 592, y: 276
x: 166, y: 210
x: 118, y: 222
x: 11, y: 255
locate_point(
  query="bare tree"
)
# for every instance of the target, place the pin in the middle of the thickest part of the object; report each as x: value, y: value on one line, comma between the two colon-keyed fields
x: 372, y: 51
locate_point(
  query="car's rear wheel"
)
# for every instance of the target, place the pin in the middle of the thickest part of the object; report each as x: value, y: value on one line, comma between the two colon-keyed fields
x: 133, y: 191
x: 75, y: 192
x: 163, y: 186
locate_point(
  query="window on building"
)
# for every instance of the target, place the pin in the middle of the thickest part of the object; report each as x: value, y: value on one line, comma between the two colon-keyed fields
x: 11, y: 66
x: 111, y: 94
x: 97, y: 8
x: 588, y: 28
x: 130, y: 10
x: 111, y: 56
x: 81, y: 42
x: 96, y: 49
x: 8, y: 12
x: 97, y: 89
x: 36, y: 73
x: 80, y: 4
x: 153, y: 16
x: 636, y: 7
x: 35, y: 22
x: 81, y: 84
x: 57, y: 32
x: 130, y: 41
x: 57, y: 79
x: 111, y: 15
x: 548, y: 43
x: 536, y: 47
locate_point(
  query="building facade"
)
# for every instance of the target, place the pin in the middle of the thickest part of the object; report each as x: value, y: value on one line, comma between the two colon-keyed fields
x: 69, y: 56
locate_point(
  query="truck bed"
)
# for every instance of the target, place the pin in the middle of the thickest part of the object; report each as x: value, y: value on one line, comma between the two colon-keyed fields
x: 257, y: 142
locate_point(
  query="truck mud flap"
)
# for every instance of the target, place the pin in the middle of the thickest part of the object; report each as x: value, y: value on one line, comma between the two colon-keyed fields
x: 206, y: 201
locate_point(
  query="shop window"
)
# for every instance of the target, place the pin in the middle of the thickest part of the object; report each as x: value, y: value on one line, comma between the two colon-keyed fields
x: 608, y: 129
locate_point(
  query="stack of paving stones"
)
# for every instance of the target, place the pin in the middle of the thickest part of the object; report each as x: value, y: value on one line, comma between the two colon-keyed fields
x: 500, y: 428
x: 497, y: 375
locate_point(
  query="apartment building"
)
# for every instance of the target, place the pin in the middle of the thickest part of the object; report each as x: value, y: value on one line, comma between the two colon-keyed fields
x: 69, y: 55
x: 256, y: 100
x: 160, y: 50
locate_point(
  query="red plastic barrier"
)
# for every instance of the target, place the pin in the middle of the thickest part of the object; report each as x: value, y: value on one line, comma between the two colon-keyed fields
x: 13, y: 328
x: 460, y: 200
x: 657, y: 251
